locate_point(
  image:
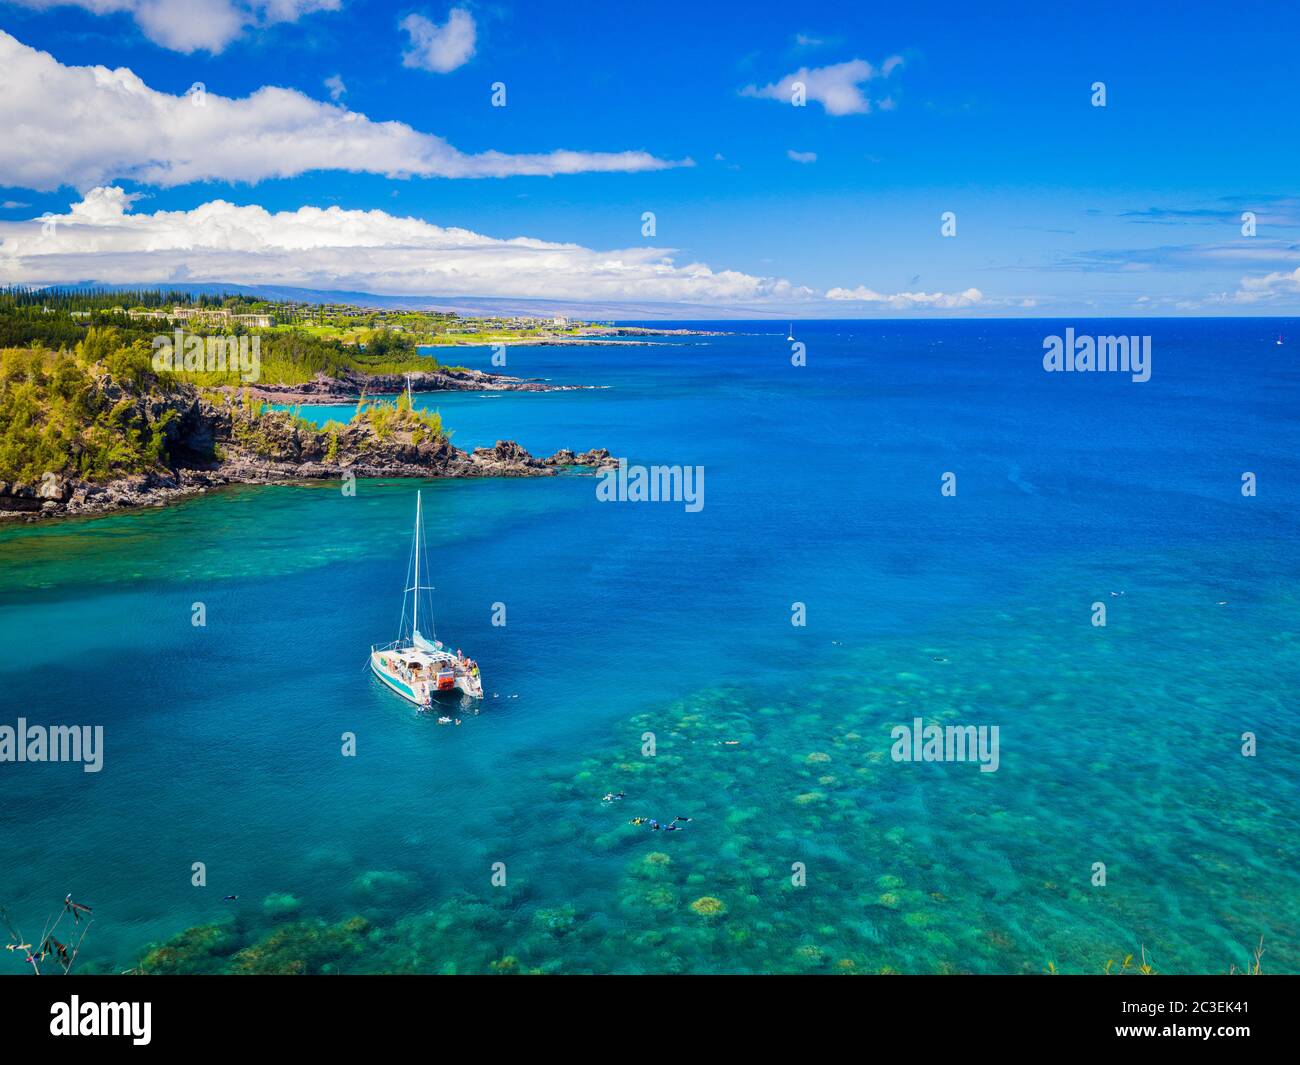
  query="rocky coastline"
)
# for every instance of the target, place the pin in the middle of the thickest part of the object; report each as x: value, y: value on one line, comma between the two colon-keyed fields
x: 350, y: 384
x: 215, y: 443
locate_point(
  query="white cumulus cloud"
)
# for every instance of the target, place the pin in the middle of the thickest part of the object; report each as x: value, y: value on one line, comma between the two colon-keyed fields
x: 195, y: 25
x: 87, y: 126
x: 836, y: 88
x: 1266, y: 287
x: 439, y: 48
x: 904, y: 300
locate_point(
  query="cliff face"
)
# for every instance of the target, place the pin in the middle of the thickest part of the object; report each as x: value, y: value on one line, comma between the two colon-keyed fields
x: 210, y: 444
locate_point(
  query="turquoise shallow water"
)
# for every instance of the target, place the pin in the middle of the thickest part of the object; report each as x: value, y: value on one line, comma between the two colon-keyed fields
x: 1119, y: 745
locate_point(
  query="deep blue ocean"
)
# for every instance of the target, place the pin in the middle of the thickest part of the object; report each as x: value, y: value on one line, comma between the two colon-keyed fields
x: 1119, y: 744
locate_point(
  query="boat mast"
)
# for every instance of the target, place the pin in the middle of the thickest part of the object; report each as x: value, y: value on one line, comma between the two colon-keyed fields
x: 415, y: 620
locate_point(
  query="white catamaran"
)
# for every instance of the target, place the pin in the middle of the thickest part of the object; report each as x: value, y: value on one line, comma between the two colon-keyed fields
x: 418, y: 668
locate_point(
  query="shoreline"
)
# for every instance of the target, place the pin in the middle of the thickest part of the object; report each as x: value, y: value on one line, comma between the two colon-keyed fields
x: 593, y: 335
x: 157, y: 489
x: 216, y: 441
x: 352, y: 385
x: 215, y: 444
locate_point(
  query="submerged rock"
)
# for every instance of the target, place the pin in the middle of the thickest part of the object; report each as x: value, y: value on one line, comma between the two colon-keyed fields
x: 281, y: 904
x: 196, y: 950
x: 305, y: 948
x: 381, y: 884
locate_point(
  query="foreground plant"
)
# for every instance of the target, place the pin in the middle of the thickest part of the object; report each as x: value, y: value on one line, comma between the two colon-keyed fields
x: 48, y: 947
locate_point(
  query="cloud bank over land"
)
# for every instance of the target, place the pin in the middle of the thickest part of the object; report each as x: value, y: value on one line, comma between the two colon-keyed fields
x: 101, y: 238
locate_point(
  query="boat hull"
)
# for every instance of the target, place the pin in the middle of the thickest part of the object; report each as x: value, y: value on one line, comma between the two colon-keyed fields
x: 418, y: 695
x: 421, y: 692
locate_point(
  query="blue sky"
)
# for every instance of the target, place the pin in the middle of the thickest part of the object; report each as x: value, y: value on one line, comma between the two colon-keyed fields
x: 986, y: 111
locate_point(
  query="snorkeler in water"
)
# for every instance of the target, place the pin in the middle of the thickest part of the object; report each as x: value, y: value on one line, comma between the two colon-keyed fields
x: 612, y: 796
x: 656, y: 826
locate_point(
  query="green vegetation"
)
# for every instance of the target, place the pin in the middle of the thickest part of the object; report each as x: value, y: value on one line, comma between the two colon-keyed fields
x: 386, y: 418
x: 296, y: 341
x: 60, y: 319
x: 357, y: 325
x: 261, y: 429
x: 100, y: 411
x: 80, y: 412
x: 80, y: 395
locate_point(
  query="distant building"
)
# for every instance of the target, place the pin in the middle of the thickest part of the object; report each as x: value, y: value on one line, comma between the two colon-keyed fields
x: 209, y: 316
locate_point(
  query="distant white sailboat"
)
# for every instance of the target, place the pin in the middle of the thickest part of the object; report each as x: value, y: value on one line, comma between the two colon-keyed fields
x: 791, y: 336
x: 414, y: 667
x: 1279, y: 340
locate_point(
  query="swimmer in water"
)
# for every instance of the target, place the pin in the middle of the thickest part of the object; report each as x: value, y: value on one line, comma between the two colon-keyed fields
x: 612, y: 796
